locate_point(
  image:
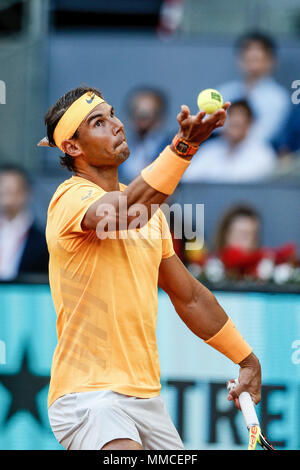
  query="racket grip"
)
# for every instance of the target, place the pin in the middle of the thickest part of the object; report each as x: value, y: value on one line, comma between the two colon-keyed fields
x: 247, y: 406
x: 248, y: 410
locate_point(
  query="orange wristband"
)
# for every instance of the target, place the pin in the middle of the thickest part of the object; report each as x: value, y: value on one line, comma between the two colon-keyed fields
x: 229, y: 341
x: 165, y: 172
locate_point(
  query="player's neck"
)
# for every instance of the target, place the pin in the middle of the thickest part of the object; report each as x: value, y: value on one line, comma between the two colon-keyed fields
x: 106, y: 177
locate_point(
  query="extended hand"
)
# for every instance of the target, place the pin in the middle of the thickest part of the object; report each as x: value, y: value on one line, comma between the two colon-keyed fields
x: 196, y: 129
x: 249, y: 380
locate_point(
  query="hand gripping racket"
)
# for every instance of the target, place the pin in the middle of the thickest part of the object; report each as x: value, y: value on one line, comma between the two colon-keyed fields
x: 251, y: 420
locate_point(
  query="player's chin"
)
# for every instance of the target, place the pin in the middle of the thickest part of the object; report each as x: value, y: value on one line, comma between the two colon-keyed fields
x: 122, y: 152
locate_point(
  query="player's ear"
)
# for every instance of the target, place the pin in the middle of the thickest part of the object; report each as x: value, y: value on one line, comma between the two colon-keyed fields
x: 71, y: 147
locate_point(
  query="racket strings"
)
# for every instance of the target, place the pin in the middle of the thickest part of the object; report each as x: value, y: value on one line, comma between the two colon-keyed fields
x: 265, y: 443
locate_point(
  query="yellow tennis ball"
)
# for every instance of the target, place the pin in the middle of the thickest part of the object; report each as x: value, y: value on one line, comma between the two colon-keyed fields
x: 209, y: 100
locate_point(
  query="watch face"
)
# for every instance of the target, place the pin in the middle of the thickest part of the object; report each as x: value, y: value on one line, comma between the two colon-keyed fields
x: 182, y: 147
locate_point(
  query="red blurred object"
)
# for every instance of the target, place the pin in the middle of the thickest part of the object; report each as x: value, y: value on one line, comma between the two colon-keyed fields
x: 286, y: 253
x: 234, y: 258
x: 178, y: 246
x: 244, y: 263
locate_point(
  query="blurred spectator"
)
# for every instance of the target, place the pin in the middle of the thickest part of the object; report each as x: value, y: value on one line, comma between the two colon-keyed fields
x: 171, y: 13
x: 238, y: 246
x: 235, y: 156
x: 23, y: 246
x: 288, y: 140
x: 269, y: 100
x: 240, y: 226
x: 238, y: 253
x: 146, y: 136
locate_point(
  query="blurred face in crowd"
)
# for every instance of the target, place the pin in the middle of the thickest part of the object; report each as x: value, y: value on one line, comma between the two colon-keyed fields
x: 145, y: 113
x: 243, y: 232
x: 14, y: 194
x: 238, y: 124
x: 256, y: 61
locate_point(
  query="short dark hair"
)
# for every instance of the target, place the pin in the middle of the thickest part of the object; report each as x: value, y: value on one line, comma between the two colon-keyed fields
x: 267, y: 43
x: 18, y: 170
x: 240, y: 210
x: 242, y: 103
x: 56, y: 111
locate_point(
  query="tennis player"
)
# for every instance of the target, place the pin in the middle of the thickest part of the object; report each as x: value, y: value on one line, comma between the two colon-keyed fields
x: 105, y: 376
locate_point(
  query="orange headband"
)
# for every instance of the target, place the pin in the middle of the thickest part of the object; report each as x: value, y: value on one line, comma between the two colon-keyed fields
x: 73, y: 117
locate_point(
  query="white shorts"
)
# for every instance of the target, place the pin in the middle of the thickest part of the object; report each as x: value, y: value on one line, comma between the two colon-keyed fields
x: 89, y: 420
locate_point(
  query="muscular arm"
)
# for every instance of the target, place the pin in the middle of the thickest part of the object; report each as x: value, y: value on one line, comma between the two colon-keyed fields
x: 200, y: 311
x: 195, y: 130
x: 138, y: 192
x: 194, y: 303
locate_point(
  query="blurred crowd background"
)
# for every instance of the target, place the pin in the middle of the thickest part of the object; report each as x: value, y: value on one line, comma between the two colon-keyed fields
x: 149, y: 57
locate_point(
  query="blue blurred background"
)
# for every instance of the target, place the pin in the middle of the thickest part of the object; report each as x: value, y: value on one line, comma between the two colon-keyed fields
x: 163, y: 51
x: 193, y: 375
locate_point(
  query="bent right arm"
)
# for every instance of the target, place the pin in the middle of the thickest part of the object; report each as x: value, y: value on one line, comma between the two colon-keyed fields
x: 120, y: 208
x: 193, y: 129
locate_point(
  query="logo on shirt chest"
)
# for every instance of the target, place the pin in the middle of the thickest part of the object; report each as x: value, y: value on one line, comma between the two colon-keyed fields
x: 87, y: 195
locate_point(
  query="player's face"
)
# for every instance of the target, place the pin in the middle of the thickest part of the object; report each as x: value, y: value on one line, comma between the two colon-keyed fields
x: 102, y: 137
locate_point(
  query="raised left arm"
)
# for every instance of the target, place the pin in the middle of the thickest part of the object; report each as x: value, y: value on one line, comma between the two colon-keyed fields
x: 201, y: 312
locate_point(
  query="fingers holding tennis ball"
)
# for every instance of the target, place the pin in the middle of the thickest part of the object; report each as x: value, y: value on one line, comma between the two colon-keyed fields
x: 197, y: 128
x: 210, y: 101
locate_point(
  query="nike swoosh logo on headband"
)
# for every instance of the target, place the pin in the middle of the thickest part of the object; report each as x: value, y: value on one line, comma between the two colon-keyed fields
x: 91, y: 99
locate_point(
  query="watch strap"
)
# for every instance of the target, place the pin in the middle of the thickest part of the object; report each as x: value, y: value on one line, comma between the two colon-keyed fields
x: 183, y: 147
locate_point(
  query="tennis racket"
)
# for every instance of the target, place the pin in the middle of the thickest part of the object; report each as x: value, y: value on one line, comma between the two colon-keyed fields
x: 251, y: 420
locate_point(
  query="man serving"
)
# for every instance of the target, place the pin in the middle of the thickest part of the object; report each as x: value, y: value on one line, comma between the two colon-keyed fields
x: 104, y: 273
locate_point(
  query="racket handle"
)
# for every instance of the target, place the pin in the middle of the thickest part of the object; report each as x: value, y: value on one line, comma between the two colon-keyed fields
x: 247, y: 406
x: 248, y: 410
